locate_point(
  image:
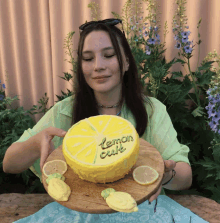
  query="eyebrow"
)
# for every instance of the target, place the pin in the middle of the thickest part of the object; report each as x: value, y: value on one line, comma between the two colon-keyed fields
x: 106, y: 48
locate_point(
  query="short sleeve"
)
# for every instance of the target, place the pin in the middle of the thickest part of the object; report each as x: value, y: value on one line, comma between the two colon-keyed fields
x: 163, y: 136
x: 48, y: 120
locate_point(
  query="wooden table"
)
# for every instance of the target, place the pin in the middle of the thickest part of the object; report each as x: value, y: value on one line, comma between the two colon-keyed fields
x: 17, y: 206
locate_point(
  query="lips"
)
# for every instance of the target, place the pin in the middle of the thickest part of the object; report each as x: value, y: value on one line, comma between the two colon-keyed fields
x: 100, y: 77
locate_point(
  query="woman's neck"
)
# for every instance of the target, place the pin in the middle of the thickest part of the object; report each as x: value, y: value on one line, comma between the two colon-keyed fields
x: 110, y: 111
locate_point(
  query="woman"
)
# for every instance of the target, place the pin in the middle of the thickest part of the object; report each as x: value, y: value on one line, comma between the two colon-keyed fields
x: 103, y: 51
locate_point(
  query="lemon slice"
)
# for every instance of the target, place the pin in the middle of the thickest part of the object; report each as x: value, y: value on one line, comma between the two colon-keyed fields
x: 54, y: 166
x: 145, y: 175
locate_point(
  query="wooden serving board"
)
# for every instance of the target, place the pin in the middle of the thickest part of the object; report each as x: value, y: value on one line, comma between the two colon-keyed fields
x: 86, y: 196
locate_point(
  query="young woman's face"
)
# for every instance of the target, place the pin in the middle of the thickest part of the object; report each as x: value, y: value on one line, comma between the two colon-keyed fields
x: 101, y: 60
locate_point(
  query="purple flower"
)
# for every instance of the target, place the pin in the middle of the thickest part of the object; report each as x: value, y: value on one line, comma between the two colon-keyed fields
x: 187, y: 49
x: 155, y: 28
x: 1, y: 97
x: 157, y: 36
x: 213, y: 113
x: 148, y: 51
x: 210, y: 106
x: 213, y: 126
x: 185, y: 39
x: 216, y: 117
x: 151, y: 41
x: 176, y: 37
x: 178, y: 45
x: 3, y: 85
x: 185, y: 34
x: 189, y: 43
x: 145, y: 33
x: 210, y: 90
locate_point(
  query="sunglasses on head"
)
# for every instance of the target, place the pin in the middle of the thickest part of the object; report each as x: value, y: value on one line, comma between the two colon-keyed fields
x: 110, y: 22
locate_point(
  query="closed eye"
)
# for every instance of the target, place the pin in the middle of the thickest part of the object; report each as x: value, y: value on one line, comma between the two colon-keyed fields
x: 105, y: 56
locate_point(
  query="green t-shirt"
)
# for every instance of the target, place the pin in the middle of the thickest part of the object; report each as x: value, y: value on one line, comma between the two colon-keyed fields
x: 159, y: 132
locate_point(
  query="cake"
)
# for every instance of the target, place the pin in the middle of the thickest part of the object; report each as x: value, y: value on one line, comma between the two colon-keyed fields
x: 101, y: 148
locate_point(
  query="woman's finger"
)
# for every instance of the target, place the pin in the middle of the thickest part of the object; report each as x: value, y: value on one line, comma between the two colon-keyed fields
x: 169, y: 165
x: 154, y: 196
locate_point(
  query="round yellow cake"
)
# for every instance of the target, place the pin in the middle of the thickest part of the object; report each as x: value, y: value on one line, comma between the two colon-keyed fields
x: 101, y: 148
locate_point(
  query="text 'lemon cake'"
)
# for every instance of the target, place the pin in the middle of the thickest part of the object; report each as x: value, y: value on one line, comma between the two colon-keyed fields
x: 101, y: 148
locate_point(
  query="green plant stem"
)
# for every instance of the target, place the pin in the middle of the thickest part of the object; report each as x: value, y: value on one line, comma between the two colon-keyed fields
x: 192, y: 99
x: 198, y: 57
x: 215, y: 144
x: 194, y: 85
x: 165, y: 99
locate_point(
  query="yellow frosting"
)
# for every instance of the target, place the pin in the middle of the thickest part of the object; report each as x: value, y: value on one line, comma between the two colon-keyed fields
x: 101, y: 148
x: 121, y: 201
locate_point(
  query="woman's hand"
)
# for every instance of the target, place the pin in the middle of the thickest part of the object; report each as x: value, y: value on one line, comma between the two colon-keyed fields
x: 169, y: 165
x: 46, y: 143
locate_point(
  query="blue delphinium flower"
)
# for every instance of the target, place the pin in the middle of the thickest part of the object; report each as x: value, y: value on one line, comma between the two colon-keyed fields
x: 151, y: 41
x: 157, y: 36
x: 145, y: 33
x: 178, y: 45
x: 216, y: 118
x: 214, y: 114
x: 1, y: 97
x: 155, y: 28
x: 187, y: 49
x: 185, y: 34
x: 185, y: 39
x: 176, y: 37
x: 148, y: 51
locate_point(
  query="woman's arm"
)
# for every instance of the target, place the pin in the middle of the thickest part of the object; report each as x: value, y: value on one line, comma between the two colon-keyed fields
x: 182, y: 179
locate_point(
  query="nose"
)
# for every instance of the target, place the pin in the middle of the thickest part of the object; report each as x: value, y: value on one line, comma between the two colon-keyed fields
x: 99, y: 63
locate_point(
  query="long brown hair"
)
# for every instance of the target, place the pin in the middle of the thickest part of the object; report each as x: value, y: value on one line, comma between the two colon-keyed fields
x: 85, y: 104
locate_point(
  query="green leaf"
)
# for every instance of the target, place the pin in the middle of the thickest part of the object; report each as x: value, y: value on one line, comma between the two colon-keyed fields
x: 105, y: 193
x: 177, y: 74
x: 198, y: 112
x: 204, y: 79
x: 180, y: 61
x: 206, y: 66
